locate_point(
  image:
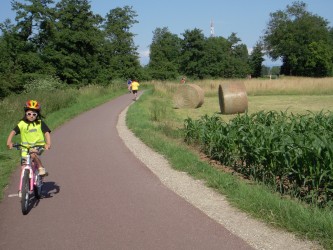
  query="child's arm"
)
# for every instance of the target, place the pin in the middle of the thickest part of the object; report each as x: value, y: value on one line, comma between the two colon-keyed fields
x: 9, y: 139
x: 47, y: 140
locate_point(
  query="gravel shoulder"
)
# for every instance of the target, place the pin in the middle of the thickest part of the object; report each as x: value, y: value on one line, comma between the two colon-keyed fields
x: 214, y: 205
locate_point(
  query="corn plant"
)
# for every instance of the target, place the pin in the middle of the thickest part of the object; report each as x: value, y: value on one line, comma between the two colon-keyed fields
x: 294, y: 153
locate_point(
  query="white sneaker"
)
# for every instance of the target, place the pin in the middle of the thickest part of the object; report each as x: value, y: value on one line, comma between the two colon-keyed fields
x: 20, y: 194
x: 41, y: 171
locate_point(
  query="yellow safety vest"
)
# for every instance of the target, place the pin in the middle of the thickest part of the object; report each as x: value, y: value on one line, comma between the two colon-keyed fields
x: 31, y: 134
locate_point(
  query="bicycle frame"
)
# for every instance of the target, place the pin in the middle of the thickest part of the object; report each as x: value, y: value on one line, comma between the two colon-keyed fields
x: 32, y: 167
x: 29, y: 177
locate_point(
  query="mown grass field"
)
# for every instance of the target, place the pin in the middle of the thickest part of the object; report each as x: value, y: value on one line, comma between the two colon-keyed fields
x: 300, y: 104
x: 297, y: 95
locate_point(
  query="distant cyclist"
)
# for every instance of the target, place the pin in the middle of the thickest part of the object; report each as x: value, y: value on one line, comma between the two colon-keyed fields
x: 129, y: 85
x: 33, y: 131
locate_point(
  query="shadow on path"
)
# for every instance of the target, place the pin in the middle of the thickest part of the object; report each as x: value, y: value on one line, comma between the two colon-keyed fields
x: 50, y: 188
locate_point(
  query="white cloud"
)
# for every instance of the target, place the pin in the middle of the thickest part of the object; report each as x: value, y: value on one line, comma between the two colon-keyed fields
x: 144, y: 56
x: 144, y: 53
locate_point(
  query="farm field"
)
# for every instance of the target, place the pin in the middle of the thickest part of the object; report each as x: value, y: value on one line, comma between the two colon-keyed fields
x: 300, y: 104
x: 154, y: 120
x: 297, y: 95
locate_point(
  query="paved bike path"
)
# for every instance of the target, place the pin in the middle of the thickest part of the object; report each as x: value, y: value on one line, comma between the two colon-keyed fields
x: 99, y: 196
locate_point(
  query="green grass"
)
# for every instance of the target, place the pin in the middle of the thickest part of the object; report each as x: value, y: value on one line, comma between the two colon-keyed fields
x: 259, y: 201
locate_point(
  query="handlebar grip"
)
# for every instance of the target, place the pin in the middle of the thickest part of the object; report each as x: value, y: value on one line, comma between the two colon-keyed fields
x: 16, y: 146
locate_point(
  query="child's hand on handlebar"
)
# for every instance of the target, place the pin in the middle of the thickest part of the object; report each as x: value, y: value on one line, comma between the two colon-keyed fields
x: 10, y: 145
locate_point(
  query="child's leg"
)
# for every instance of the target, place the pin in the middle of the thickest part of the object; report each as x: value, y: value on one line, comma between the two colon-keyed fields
x: 37, y: 160
x: 41, y: 168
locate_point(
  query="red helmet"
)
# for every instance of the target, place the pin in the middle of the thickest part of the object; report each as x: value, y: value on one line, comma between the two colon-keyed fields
x: 32, y: 105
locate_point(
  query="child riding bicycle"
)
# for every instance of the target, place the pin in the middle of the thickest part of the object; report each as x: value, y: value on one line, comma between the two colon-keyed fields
x: 33, y: 131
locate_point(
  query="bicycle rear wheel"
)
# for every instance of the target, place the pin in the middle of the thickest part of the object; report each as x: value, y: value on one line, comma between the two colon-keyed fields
x: 25, y: 192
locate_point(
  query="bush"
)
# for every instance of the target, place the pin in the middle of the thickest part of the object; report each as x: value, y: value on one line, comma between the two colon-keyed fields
x: 49, y: 83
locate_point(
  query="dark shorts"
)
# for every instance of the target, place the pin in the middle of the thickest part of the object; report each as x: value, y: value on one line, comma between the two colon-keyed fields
x: 135, y: 91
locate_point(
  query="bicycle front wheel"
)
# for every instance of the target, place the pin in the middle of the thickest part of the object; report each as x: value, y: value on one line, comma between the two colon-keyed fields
x: 38, y: 187
x: 25, y: 192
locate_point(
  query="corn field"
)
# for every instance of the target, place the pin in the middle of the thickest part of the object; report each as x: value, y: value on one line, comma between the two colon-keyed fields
x: 292, y: 153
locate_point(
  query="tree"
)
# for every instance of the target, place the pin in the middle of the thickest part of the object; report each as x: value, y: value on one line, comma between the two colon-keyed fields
x: 238, y: 61
x: 256, y: 59
x: 19, y: 60
x: 265, y: 71
x: 21, y: 52
x: 121, y: 59
x: 164, y: 55
x: 216, y: 57
x: 66, y: 40
x: 213, y: 57
x: 35, y: 20
x: 10, y: 70
x: 192, y: 53
x: 298, y: 37
x: 75, y: 46
x: 275, y: 70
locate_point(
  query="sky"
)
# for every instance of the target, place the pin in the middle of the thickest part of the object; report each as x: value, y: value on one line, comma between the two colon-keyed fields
x: 247, y: 18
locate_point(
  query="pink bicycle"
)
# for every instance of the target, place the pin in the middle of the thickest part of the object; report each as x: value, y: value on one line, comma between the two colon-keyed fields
x: 31, y: 183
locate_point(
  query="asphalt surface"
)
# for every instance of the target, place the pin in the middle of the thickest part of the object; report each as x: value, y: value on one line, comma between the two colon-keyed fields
x: 99, y: 196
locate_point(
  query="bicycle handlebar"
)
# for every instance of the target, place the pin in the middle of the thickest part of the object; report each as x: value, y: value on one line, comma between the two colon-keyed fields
x: 18, y: 146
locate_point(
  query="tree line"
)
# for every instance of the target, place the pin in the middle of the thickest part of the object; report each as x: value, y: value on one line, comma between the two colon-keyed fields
x: 65, y: 40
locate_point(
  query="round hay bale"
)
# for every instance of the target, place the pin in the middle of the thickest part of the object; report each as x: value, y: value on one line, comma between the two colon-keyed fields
x: 188, y: 96
x: 233, y: 98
